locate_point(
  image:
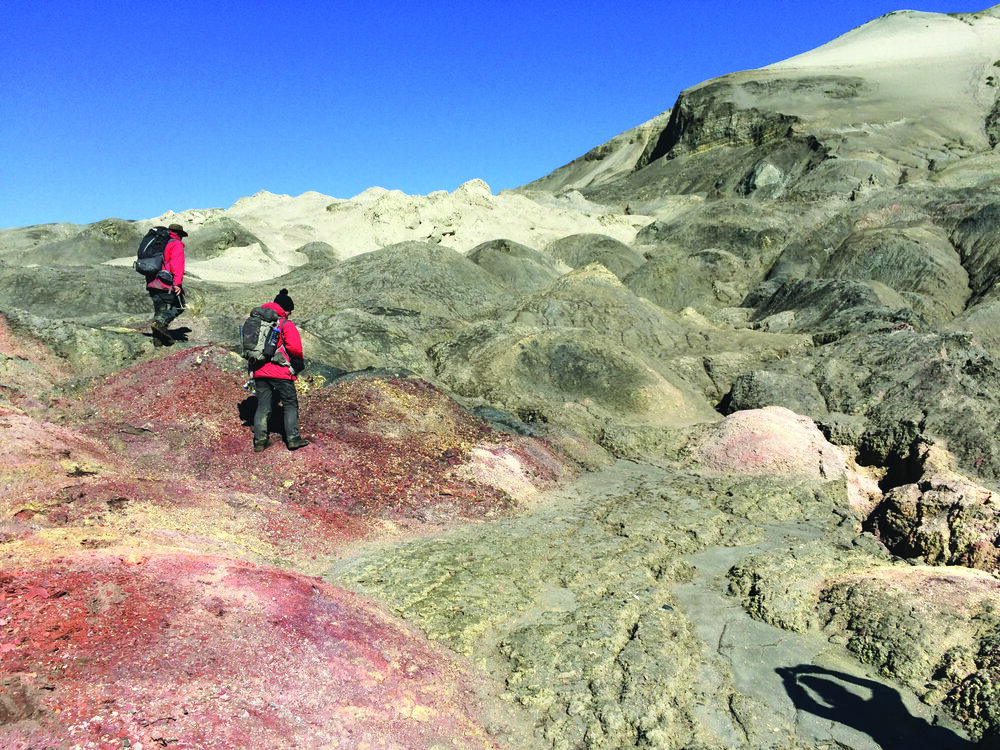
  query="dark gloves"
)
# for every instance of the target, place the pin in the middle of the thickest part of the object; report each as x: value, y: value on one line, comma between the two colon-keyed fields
x: 298, y: 365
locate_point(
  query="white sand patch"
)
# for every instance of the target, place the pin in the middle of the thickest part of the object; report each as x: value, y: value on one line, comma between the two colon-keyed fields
x: 913, y: 86
x: 377, y: 217
x: 499, y: 467
x: 242, y: 264
x: 924, y: 71
x: 904, y: 37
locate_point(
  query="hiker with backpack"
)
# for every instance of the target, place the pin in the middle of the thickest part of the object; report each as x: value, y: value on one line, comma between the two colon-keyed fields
x: 160, y: 259
x: 273, y: 349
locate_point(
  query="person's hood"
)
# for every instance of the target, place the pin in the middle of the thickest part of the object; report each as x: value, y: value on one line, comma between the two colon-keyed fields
x: 277, y: 308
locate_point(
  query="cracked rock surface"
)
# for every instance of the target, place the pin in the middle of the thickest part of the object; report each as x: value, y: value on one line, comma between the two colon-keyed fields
x: 600, y: 653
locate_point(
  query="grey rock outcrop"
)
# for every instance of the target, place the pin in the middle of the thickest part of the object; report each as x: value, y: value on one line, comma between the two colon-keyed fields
x: 760, y: 388
x: 580, y: 250
x: 519, y: 268
x: 63, y: 245
x: 217, y: 235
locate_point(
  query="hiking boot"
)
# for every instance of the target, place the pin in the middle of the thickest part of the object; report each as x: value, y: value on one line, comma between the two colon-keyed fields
x: 297, y: 442
x: 261, y: 445
x: 161, y: 333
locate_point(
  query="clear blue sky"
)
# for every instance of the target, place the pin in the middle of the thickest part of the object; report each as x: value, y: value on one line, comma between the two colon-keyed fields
x: 129, y: 108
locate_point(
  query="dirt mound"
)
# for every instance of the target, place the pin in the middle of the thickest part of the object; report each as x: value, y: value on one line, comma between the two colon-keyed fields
x: 159, y: 455
x: 204, y: 652
x: 774, y: 441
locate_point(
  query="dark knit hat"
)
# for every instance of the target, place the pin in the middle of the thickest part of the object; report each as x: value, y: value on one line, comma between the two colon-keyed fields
x: 178, y: 230
x: 284, y: 301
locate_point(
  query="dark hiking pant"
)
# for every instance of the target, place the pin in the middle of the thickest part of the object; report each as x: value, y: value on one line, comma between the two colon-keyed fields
x: 269, y: 391
x: 166, y: 306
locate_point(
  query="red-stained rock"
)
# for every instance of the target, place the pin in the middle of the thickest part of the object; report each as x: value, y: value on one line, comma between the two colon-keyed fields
x: 37, y: 450
x: 205, y: 652
x: 147, y: 585
x: 159, y: 455
x: 380, y: 448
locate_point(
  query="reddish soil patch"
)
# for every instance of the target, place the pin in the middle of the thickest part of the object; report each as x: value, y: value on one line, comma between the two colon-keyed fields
x: 135, y: 602
x: 197, y: 652
x: 382, y: 449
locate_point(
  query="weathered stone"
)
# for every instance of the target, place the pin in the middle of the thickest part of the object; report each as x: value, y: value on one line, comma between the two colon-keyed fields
x: 941, y: 517
x: 976, y: 238
x: 218, y: 235
x: 519, y: 268
x: 917, y: 262
x: 423, y: 277
x: 580, y: 250
x: 771, y: 441
x: 760, y: 388
x: 705, y: 280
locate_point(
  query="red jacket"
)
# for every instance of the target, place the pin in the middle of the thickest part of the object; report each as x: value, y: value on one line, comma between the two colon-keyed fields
x: 173, y: 261
x: 290, y: 345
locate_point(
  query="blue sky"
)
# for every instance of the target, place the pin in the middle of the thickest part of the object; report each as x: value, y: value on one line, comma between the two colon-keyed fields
x: 128, y: 109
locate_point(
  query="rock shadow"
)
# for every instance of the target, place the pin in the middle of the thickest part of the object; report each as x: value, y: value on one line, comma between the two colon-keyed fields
x: 882, y: 715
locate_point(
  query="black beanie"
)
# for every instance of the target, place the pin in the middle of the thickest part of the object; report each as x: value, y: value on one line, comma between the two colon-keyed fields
x: 284, y: 301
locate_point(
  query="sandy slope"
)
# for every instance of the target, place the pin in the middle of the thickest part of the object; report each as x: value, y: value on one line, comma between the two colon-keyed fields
x: 906, y: 37
x: 462, y: 219
x: 922, y: 70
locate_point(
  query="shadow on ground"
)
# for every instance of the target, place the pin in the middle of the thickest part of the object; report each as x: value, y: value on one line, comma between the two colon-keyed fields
x: 867, y: 706
x: 275, y: 420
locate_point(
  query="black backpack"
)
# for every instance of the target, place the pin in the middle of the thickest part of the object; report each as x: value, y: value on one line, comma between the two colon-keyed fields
x: 149, y: 256
x: 260, y: 335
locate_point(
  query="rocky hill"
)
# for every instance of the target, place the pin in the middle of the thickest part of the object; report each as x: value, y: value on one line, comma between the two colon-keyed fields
x: 688, y: 444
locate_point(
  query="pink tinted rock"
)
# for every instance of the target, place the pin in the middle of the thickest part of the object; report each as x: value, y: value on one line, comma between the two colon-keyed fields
x: 773, y: 440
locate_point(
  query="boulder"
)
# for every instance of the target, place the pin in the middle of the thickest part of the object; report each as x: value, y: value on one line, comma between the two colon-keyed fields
x: 772, y: 441
x: 941, y: 517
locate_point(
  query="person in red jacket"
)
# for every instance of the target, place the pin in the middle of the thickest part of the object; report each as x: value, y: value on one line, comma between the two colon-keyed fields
x: 275, y: 380
x: 165, y: 289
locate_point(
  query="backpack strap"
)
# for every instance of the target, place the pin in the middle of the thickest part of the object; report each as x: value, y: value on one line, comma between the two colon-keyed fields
x: 281, y: 347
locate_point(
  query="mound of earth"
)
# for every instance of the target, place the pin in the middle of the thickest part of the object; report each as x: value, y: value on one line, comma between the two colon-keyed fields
x: 583, y: 249
x: 144, y: 523
x: 517, y: 267
x: 175, y: 648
